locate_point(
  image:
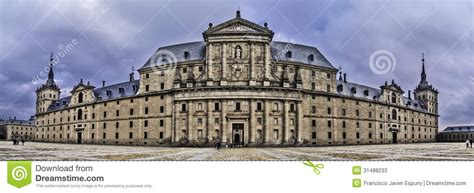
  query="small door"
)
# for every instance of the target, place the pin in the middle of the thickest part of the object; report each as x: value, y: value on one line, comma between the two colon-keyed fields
x: 237, y: 139
x: 79, y: 137
x: 394, y: 137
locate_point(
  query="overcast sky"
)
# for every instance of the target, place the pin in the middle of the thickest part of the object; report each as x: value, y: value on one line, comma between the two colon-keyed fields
x: 106, y: 39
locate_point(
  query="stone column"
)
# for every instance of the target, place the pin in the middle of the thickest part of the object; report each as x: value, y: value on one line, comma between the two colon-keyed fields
x: 252, y: 64
x: 189, y: 129
x: 267, y: 122
x: 252, y: 127
x: 299, y: 129
x: 285, y: 121
x: 224, y: 129
x: 267, y: 65
x: 224, y: 65
x: 209, y: 64
x: 176, y: 126
x: 209, y: 121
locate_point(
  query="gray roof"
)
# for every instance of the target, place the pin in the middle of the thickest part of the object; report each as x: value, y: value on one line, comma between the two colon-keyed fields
x: 458, y: 129
x: 16, y: 122
x: 102, y: 95
x: 373, y: 94
x: 197, y: 51
x: 299, y: 53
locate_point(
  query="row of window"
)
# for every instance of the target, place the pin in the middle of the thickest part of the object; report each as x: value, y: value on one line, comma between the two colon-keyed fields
x: 344, y: 135
x: 104, y: 135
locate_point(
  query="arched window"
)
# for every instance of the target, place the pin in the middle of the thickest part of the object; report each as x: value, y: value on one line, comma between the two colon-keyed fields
x: 394, y: 114
x: 288, y: 54
x: 311, y: 58
x: 394, y: 98
x: 79, y: 114
x: 186, y: 55
x: 80, y: 98
x: 238, y: 52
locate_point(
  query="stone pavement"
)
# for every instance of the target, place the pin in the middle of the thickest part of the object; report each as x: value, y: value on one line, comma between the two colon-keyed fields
x: 388, y: 152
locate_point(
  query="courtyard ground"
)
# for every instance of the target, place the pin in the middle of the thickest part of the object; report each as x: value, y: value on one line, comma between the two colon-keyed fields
x: 388, y: 152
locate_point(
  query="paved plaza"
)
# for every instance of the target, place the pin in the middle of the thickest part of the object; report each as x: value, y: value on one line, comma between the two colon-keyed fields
x: 389, y: 152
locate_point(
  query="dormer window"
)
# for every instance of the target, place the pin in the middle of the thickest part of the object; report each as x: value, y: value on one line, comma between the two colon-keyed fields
x: 164, y: 59
x: 121, y: 91
x: 353, y: 90
x: 186, y: 55
x: 135, y: 88
x: 238, y: 52
x: 339, y: 88
x: 311, y: 58
x: 288, y: 54
x: 366, y: 92
x: 109, y: 93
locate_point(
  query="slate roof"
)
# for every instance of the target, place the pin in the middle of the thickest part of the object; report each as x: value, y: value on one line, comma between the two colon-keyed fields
x: 16, y: 122
x: 102, y: 95
x: 373, y: 94
x: 197, y: 51
x: 458, y: 129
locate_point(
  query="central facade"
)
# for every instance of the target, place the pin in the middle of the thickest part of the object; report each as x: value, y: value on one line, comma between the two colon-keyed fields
x: 242, y: 88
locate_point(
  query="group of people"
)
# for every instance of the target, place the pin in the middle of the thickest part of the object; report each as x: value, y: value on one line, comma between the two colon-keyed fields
x: 17, y: 141
x: 469, y: 143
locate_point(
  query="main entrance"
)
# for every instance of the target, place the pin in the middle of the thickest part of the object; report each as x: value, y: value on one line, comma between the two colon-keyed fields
x: 237, y: 133
x: 79, y: 137
x: 394, y: 137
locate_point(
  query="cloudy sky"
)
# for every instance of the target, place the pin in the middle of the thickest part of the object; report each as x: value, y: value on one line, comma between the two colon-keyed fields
x: 103, y: 40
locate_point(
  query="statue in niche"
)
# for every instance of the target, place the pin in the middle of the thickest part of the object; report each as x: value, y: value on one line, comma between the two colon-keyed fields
x: 238, y: 52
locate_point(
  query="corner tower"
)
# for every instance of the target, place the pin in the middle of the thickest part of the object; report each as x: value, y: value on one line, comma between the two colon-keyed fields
x: 48, y: 92
x: 426, y: 92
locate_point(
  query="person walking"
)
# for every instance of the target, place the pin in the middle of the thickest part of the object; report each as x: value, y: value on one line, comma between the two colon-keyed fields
x: 467, y: 143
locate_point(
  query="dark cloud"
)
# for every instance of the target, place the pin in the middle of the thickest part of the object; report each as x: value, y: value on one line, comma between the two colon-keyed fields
x: 112, y: 36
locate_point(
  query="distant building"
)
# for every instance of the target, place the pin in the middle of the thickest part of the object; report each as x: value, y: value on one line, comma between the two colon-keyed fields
x: 241, y: 87
x: 456, y: 134
x: 14, y: 128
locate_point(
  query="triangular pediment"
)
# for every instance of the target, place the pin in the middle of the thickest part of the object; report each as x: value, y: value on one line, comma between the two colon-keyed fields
x: 81, y: 87
x: 238, y: 26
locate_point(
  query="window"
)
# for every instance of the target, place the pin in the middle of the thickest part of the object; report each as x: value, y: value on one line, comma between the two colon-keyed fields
x: 146, y: 110
x: 343, y: 135
x: 237, y: 106
x: 328, y: 88
x: 80, y: 98
x: 162, y: 86
x: 116, y: 124
x: 131, y: 111
x: 313, y: 123
x: 329, y: 110
x: 186, y: 55
x: 131, y: 124
x: 275, y: 107
x: 162, y: 123
x: 145, y: 135
x: 311, y: 58
x: 343, y: 112
x: 343, y: 124
x: 259, y: 106
x: 162, y: 109
x: 147, y: 88
x: 313, y: 109
x: 329, y: 135
x: 329, y: 124
x: 130, y: 135
x: 394, y: 114
x: 288, y: 54
x: 366, y: 92
x: 216, y: 106
x: 313, y: 86
x: 147, y: 76
x: 183, y: 107
x: 121, y: 91
x: 394, y: 98
x: 145, y: 124
x: 339, y: 88
x: 79, y: 114
x: 292, y: 107
x: 117, y: 113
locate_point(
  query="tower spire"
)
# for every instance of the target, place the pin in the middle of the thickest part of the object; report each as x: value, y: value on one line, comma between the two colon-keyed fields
x: 51, y: 73
x: 423, y: 73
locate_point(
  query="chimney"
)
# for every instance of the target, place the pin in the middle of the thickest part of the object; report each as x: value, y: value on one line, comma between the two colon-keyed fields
x: 345, y: 76
x: 385, y: 83
x: 409, y: 94
x: 103, y: 83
